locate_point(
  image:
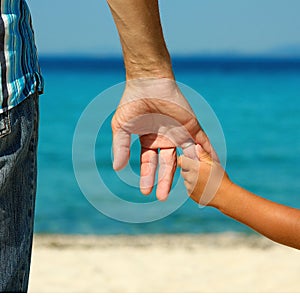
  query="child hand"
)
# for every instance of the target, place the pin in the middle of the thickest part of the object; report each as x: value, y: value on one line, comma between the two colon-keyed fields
x: 205, y: 180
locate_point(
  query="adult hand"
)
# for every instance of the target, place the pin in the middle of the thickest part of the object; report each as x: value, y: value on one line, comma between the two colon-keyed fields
x: 156, y: 110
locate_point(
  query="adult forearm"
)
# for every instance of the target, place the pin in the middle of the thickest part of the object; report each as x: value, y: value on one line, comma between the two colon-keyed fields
x: 277, y: 222
x: 144, y: 49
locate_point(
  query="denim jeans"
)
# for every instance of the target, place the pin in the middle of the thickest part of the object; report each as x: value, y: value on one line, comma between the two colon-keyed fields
x: 18, y: 150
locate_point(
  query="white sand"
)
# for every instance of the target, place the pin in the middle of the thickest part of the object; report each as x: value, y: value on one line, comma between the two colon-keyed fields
x: 170, y: 263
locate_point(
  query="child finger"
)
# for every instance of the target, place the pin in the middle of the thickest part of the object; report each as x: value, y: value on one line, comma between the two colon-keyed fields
x: 185, y: 162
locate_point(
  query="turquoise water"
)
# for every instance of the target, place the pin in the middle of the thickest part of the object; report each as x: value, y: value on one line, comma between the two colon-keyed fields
x: 258, y: 106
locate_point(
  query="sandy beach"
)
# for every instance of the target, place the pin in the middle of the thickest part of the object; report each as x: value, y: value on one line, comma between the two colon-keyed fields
x: 227, y: 262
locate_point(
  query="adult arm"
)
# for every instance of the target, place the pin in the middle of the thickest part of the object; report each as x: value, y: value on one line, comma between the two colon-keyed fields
x: 152, y: 105
x: 144, y: 48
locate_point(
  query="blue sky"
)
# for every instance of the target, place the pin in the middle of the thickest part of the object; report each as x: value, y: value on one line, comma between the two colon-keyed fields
x: 190, y: 26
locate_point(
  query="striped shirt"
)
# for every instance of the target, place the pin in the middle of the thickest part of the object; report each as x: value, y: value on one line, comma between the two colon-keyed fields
x: 19, y: 68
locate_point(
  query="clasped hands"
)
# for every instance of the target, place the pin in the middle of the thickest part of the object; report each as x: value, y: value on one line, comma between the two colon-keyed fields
x: 156, y: 110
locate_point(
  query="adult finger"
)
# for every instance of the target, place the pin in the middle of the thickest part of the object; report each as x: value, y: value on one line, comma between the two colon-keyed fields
x: 121, y: 149
x: 202, y: 139
x: 211, y: 154
x: 199, y: 136
x: 202, y: 155
x: 149, y: 160
x: 167, y: 167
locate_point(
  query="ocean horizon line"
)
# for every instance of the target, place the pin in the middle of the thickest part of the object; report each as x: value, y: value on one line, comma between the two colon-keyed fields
x: 196, y: 62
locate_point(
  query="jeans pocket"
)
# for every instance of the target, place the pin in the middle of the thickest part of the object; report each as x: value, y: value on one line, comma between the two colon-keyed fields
x: 5, y: 127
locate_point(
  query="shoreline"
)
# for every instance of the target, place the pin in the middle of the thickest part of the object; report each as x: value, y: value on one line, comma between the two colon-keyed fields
x: 219, y: 262
x: 224, y: 239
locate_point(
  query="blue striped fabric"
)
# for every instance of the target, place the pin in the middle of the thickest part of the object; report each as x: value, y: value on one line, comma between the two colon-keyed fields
x: 20, y: 72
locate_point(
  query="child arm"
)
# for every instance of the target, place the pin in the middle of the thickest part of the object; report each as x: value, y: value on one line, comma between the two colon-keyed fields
x: 278, y: 222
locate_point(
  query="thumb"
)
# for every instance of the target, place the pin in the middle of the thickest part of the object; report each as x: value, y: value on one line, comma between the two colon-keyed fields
x: 202, y: 155
x: 121, y: 149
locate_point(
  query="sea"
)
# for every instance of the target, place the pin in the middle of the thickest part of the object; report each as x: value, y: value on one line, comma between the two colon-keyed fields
x: 256, y: 101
